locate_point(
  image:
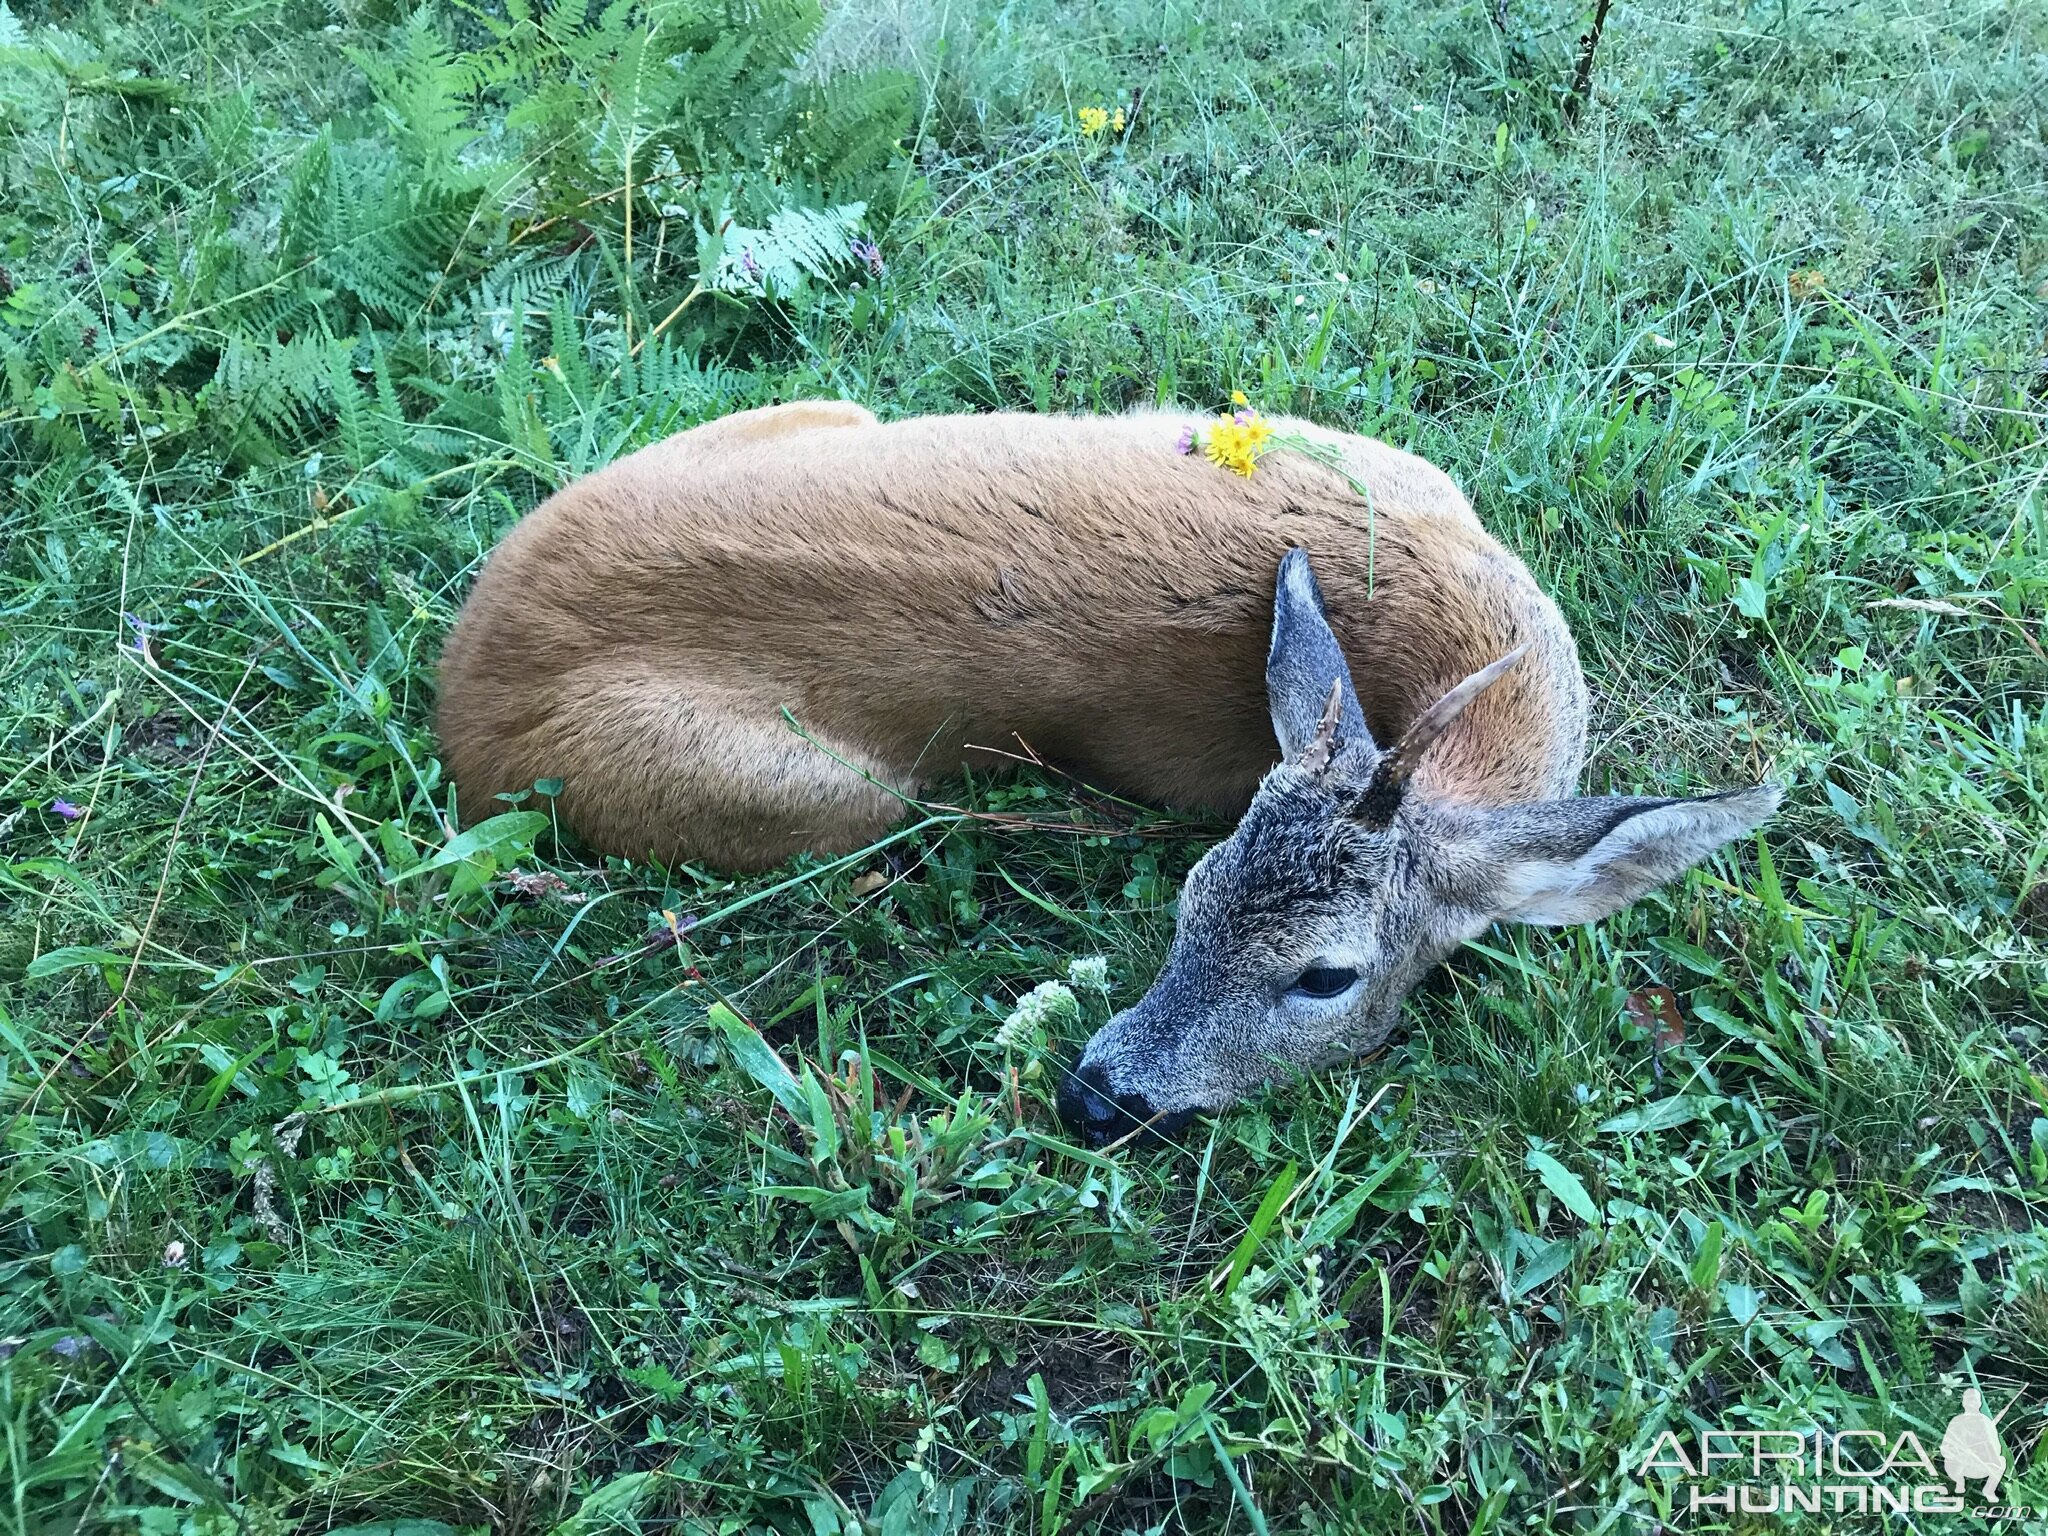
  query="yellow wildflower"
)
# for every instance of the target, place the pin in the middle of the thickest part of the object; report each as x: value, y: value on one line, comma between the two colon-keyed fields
x: 1224, y: 449
x: 1237, y: 397
x: 1116, y: 122
x: 1235, y: 442
x: 1093, y: 120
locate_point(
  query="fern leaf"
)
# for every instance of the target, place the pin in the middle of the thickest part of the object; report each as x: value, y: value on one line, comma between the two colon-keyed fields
x: 796, y: 243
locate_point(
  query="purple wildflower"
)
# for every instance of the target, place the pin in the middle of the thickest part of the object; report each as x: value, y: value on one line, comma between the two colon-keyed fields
x: 747, y: 263
x: 1186, y: 444
x: 66, y: 809
x: 1242, y: 416
x: 140, y: 643
x: 870, y: 253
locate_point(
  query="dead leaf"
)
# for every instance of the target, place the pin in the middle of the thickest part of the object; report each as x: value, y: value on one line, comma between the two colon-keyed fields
x: 533, y: 886
x: 870, y: 882
x: 1656, y: 1009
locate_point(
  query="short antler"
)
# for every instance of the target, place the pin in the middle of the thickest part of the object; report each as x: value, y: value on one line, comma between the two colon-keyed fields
x: 1382, y: 796
x: 1322, y: 747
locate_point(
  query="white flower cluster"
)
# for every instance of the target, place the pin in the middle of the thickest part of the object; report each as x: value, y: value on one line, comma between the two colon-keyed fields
x: 1037, y: 1011
x: 1089, y: 974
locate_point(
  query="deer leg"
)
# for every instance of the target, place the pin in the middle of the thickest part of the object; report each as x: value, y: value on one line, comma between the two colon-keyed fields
x: 654, y: 769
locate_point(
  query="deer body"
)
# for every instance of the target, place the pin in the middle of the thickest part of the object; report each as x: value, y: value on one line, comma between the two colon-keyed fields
x: 921, y: 594
x: 913, y: 591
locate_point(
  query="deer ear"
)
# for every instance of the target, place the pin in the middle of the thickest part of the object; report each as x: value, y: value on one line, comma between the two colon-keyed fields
x: 1303, y: 665
x: 1572, y: 861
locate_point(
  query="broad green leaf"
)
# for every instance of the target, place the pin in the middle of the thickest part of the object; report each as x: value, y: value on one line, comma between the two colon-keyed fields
x: 585, y: 1092
x: 1564, y: 1184
x: 1706, y: 1264
x: 1691, y: 956
x: 611, y: 1507
x: 1743, y: 1302
x: 1661, y: 1114
x: 70, y: 959
x: 822, y: 1120
x: 1549, y: 1263
x: 828, y: 1203
x: 1262, y: 1222
x: 1335, y: 1220
x: 757, y: 1058
x: 487, y: 838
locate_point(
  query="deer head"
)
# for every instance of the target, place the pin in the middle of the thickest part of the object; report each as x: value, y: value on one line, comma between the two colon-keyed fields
x: 1299, y: 935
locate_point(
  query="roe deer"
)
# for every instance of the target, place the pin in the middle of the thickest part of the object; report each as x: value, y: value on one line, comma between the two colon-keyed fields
x: 917, y: 592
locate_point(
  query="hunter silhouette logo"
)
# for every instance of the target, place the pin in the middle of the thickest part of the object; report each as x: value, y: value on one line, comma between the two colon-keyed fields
x: 1851, y: 1471
x: 1970, y: 1448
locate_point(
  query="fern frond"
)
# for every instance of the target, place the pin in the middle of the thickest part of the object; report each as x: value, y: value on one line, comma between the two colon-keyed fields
x: 385, y: 240
x: 425, y: 92
x: 282, y: 386
x: 851, y: 126
x: 796, y: 243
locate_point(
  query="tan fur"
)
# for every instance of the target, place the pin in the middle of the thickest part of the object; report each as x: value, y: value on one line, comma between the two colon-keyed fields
x: 908, y: 591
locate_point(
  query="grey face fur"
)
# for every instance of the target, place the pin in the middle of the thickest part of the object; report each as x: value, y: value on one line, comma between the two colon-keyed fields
x: 1300, y: 934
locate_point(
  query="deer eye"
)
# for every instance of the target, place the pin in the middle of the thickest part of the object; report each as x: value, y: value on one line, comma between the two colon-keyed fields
x: 1324, y: 981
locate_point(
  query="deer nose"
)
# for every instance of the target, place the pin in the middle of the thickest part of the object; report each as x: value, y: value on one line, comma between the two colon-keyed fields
x: 1092, y: 1110
x: 1098, y: 1114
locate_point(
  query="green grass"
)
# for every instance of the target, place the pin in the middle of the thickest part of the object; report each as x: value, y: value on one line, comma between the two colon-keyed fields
x: 345, y: 1183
